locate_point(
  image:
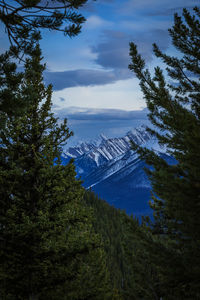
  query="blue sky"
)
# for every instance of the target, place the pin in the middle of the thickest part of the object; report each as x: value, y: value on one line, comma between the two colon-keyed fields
x: 92, y: 84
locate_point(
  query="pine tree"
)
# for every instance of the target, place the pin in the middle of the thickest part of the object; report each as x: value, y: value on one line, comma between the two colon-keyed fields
x: 24, y: 19
x: 126, y: 243
x: 48, y: 249
x: 172, y: 98
x: 11, y: 103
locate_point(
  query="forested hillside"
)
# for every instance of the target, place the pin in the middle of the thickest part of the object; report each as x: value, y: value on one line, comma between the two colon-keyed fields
x: 59, y: 241
x: 132, y: 275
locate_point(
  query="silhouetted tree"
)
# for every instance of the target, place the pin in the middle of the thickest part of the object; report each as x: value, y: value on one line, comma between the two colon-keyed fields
x: 173, y: 101
x: 48, y: 248
x: 24, y: 19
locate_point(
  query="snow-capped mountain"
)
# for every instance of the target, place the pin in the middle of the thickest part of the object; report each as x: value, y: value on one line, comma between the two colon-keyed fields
x: 114, y: 171
x: 97, y: 154
x: 79, y: 150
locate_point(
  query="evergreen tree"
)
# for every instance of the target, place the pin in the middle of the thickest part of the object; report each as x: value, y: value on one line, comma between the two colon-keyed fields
x: 11, y: 103
x: 107, y: 222
x: 174, y: 110
x: 132, y: 274
x: 48, y: 249
x: 24, y: 19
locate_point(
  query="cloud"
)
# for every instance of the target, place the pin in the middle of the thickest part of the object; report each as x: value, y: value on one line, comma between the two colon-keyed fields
x: 94, y: 22
x: 91, y: 114
x: 67, y: 79
x: 113, y: 52
x: 88, y: 123
x: 155, y: 7
x: 171, y: 11
x: 92, y: 5
x: 123, y: 94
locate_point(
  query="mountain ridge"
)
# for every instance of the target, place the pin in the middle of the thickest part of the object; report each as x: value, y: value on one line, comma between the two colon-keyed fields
x: 114, y: 171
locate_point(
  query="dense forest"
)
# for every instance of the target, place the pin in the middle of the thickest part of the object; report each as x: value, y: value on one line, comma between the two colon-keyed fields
x: 59, y: 241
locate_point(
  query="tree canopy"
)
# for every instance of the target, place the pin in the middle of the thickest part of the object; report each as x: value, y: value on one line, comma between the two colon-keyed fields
x: 48, y: 248
x: 24, y: 19
x: 172, y: 98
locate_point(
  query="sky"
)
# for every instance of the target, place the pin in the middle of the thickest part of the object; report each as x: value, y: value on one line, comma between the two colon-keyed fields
x: 92, y: 84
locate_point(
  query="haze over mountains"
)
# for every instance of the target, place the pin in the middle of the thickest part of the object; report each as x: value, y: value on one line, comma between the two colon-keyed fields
x: 115, y: 172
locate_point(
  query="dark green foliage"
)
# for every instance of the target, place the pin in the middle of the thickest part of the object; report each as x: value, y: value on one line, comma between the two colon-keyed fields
x: 48, y: 247
x: 107, y: 223
x: 132, y: 273
x: 24, y: 19
x: 11, y: 101
x: 174, y: 110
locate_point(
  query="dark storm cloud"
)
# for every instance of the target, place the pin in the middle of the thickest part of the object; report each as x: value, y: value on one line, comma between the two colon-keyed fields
x: 67, y: 79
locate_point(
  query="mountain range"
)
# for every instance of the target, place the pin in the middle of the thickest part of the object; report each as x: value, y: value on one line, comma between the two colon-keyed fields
x: 114, y: 172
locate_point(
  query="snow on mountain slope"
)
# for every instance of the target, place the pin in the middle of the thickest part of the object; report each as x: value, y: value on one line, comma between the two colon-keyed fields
x: 79, y: 150
x: 107, y: 150
x: 113, y: 166
x: 114, y: 171
x: 128, y: 187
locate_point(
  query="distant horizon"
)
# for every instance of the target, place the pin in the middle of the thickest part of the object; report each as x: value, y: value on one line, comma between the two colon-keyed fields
x: 87, y: 125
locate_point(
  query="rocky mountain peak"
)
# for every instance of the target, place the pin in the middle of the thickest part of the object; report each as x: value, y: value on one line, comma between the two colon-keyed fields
x: 109, y: 148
